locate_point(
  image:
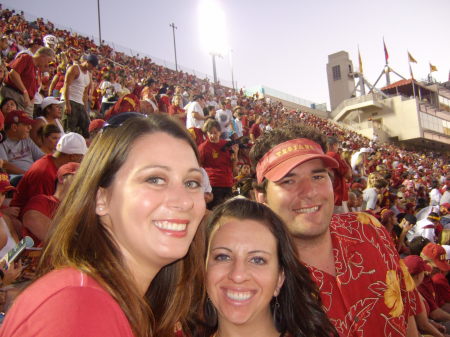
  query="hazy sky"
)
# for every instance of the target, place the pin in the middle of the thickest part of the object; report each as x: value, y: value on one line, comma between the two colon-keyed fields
x: 283, y: 44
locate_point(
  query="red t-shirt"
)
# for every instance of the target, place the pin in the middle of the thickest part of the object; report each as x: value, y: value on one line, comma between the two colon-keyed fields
x: 442, y: 289
x: 255, y: 131
x: 217, y: 163
x: 39, y: 179
x: 427, y: 290
x: 60, y: 83
x: 65, y: 302
x: 175, y: 110
x: 28, y: 72
x: 340, y: 186
x: 45, y: 204
x: 372, y: 294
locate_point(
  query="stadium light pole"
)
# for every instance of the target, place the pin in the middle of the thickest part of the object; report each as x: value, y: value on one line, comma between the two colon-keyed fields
x: 231, y: 66
x: 213, y: 55
x: 174, y: 44
x: 99, y: 25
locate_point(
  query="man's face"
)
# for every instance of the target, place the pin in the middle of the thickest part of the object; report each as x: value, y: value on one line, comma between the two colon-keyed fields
x: 304, y: 199
x: 43, y: 61
x: 23, y: 130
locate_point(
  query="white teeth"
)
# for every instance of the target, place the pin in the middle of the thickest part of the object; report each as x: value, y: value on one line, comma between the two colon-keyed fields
x: 307, y: 210
x: 238, y: 296
x: 177, y: 227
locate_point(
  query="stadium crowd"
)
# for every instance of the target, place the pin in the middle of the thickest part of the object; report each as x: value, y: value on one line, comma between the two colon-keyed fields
x: 60, y: 89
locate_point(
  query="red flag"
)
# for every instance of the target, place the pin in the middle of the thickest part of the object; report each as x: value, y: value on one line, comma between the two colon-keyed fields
x: 386, y: 54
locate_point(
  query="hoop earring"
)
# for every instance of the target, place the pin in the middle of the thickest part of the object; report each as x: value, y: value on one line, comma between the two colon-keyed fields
x: 210, y: 313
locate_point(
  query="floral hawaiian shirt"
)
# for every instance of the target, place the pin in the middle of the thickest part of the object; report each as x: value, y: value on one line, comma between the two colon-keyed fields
x: 372, y: 294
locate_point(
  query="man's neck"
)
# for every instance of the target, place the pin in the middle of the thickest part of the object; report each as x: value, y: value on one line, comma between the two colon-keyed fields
x: 317, y: 252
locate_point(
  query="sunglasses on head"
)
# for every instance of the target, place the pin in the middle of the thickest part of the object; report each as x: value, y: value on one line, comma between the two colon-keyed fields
x: 118, y: 120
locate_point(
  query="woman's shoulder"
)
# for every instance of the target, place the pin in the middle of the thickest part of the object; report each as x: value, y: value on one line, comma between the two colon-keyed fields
x: 62, y: 299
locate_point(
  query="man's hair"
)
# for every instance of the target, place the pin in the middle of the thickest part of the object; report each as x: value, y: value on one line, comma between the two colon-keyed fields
x: 210, y: 124
x: 44, y: 51
x: 416, y: 245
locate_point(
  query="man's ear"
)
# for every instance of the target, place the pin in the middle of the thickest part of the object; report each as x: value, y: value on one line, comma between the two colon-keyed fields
x: 101, y: 203
x: 260, y: 197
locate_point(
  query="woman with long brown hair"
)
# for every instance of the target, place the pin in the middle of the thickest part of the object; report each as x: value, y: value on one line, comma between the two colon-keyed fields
x: 255, y: 284
x: 119, y: 260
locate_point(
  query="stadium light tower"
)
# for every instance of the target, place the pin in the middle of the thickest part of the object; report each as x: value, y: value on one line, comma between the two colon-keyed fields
x: 212, y: 30
x: 174, y: 44
x: 99, y: 25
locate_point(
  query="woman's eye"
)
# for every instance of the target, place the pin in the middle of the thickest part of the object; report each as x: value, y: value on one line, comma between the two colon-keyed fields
x: 156, y: 180
x: 221, y: 257
x: 193, y: 184
x: 258, y: 260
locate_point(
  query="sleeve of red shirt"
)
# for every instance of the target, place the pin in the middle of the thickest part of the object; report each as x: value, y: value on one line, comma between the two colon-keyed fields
x: 76, y: 312
x: 20, y: 63
x: 38, y: 203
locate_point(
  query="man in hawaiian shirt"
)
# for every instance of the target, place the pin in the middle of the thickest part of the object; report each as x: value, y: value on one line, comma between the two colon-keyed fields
x: 365, y: 288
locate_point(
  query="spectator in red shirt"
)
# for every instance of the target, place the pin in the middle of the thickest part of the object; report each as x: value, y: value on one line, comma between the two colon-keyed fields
x: 436, y: 256
x: 255, y: 130
x: 341, y: 174
x: 40, y: 178
x: 39, y: 210
x: 219, y: 161
x: 22, y: 81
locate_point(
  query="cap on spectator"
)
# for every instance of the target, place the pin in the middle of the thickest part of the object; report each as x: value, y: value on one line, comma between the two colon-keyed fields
x: 95, y: 125
x: 416, y: 264
x: 5, y: 185
x: 436, y: 255
x: 385, y: 214
x: 69, y: 168
x: 285, y: 156
x: 72, y: 143
x: 18, y: 116
x: 49, y: 101
x: 433, y: 216
x: 92, y: 59
x: 237, y: 107
x: 50, y: 40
